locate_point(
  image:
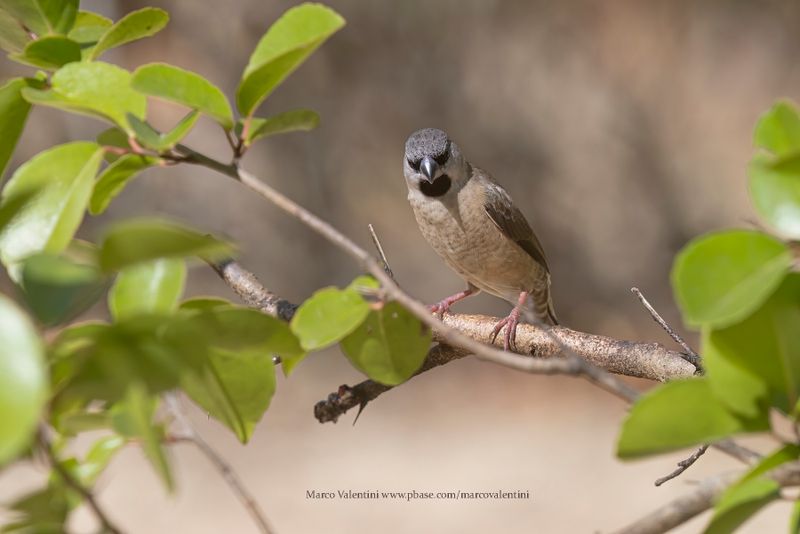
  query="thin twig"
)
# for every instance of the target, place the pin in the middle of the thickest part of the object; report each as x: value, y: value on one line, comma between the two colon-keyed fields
x: 227, y: 472
x: 691, y: 356
x: 683, y: 465
x: 378, y: 246
x: 74, y: 483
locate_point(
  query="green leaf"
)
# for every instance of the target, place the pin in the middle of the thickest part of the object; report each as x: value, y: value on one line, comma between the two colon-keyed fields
x: 58, y: 289
x: 794, y: 520
x: 183, y: 87
x: 44, y: 17
x: 390, y: 346
x: 285, y: 46
x: 775, y: 190
x: 133, y: 418
x: 88, y: 29
x: 133, y: 26
x: 721, y: 278
x: 778, y: 130
x: 98, y: 457
x: 63, y: 176
x: 297, y: 120
x: 23, y: 380
x: 679, y: 414
x: 13, y: 114
x: 328, y: 316
x: 115, y: 177
x: 203, y: 303
x: 152, y: 138
x: 238, y: 381
x: 43, y: 511
x: 71, y: 424
x: 149, y: 287
x: 50, y: 52
x: 13, y: 204
x: 96, y: 89
x: 765, y: 345
x: 13, y: 37
x: 135, y: 241
x: 740, y: 502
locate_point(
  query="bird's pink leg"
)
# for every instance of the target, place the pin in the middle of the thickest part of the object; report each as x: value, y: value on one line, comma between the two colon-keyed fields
x: 443, y: 306
x: 510, y: 322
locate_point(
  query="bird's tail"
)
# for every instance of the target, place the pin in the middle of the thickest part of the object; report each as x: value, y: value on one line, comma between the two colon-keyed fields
x: 540, y: 308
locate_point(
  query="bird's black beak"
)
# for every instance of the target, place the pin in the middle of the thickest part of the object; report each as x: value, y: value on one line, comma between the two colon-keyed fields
x: 428, y: 167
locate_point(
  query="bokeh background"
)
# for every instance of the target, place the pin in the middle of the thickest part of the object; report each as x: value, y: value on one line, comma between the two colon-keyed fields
x: 621, y: 129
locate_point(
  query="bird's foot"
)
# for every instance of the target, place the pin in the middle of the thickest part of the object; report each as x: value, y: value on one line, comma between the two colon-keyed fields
x: 510, y: 323
x: 443, y: 306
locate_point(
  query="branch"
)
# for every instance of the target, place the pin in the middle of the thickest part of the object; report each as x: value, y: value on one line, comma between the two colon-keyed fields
x: 227, y: 472
x: 75, y: 484
x: 701, y: 499
x: 683, y: 465
x: 691, y: 356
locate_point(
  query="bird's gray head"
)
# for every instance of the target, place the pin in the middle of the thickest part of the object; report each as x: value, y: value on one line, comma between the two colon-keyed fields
x: 433, y: 163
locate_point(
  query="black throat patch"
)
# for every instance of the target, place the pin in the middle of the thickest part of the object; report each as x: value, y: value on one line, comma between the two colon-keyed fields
x: 439, y: 187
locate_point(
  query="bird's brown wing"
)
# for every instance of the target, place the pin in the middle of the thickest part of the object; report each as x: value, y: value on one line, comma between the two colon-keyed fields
x: 507, y: 217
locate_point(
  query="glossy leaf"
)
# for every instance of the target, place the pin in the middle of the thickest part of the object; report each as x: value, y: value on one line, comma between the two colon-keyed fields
x: 13, y: 37
x: 23, y: 380
x: 88, y: 29
x: 765, y: 345
x: 96, y: 89
x: 775, y: 190
x: 328, y: 316
x: 183, y: 87
x: 133, y: 26
x: 149, y: 287
x: 58, y: 289
x: 297, y: 120
x: 98, y: 457
x: 133, y: 418
x: 721, y: 278
x: 115, y: 177
x: 679, y: 414
x: 50, y: 52
x: 740, y: 502
x: 63, y: 176
x: 13, y: 114
x: 285, y: 46
x: 44, y: 17
x: 135, y: 241
x: 778, y: 130
x: 390, y: 346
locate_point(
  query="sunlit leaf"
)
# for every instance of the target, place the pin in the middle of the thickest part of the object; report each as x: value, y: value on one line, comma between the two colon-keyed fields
x: 740, y: 502
x: 115, y: 177
x: 149, y: 287
x: 297, y: 120
x: 88, y: 29
x: 13, y: 37
x: 50, y: 52
x: 162, y: 142
x: 775, y: 190
x: 778, y: 130
x: 285, y: 46
x: 13, y: 114
x: 133, y: 26
x: 44, y: 17
x: 328, y: 316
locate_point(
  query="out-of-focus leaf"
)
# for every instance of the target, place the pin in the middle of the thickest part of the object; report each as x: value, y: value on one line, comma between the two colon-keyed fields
x: 285, y: 46
x: 96, y: 89
x: 74, y: 423
x: 297, y: 120
x: 389, y: 346
x: 115, y: 177
x: 13, y: 114
x: 203, y: 304
x: 721, y: 278
x: 740, y: 502
x: 765, y: 345
x: 98, y: 458
x: 57, y: 289
x: 44, y: 17
x: 778, y: 130
x: 51, y: 52
x: 184, y: 87
x: 135, y: 241
x: 775, y: 190
x: 149, y: 287
x: 88, y: 29
x: 43, y: 512
x: 133, y: 26
x: 63, y: 176
x: 133, y: 418
x: 13, y: 37
x: 679, y: 414
x: 328, y: 316
x: 23, y: 380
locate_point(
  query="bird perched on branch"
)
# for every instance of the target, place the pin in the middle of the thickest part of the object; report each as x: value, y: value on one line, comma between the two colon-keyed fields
x: 471, y: 222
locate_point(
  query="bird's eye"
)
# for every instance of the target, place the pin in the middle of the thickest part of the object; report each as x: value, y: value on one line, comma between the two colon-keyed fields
x: 441, y: 159
x: 414, y: 164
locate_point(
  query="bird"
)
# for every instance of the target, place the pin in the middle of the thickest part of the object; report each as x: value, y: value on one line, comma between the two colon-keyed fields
x: 473, y: 225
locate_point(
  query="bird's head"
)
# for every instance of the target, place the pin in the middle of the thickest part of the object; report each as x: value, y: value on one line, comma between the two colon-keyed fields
x: 433, y: 163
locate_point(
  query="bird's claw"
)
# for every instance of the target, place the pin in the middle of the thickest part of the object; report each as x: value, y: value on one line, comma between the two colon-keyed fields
x: 510, y: 323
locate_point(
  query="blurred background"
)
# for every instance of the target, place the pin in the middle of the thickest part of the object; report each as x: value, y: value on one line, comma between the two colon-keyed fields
x: 621, y: 129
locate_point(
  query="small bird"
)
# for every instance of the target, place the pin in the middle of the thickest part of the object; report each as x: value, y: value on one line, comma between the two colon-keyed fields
x: 471, y: 222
